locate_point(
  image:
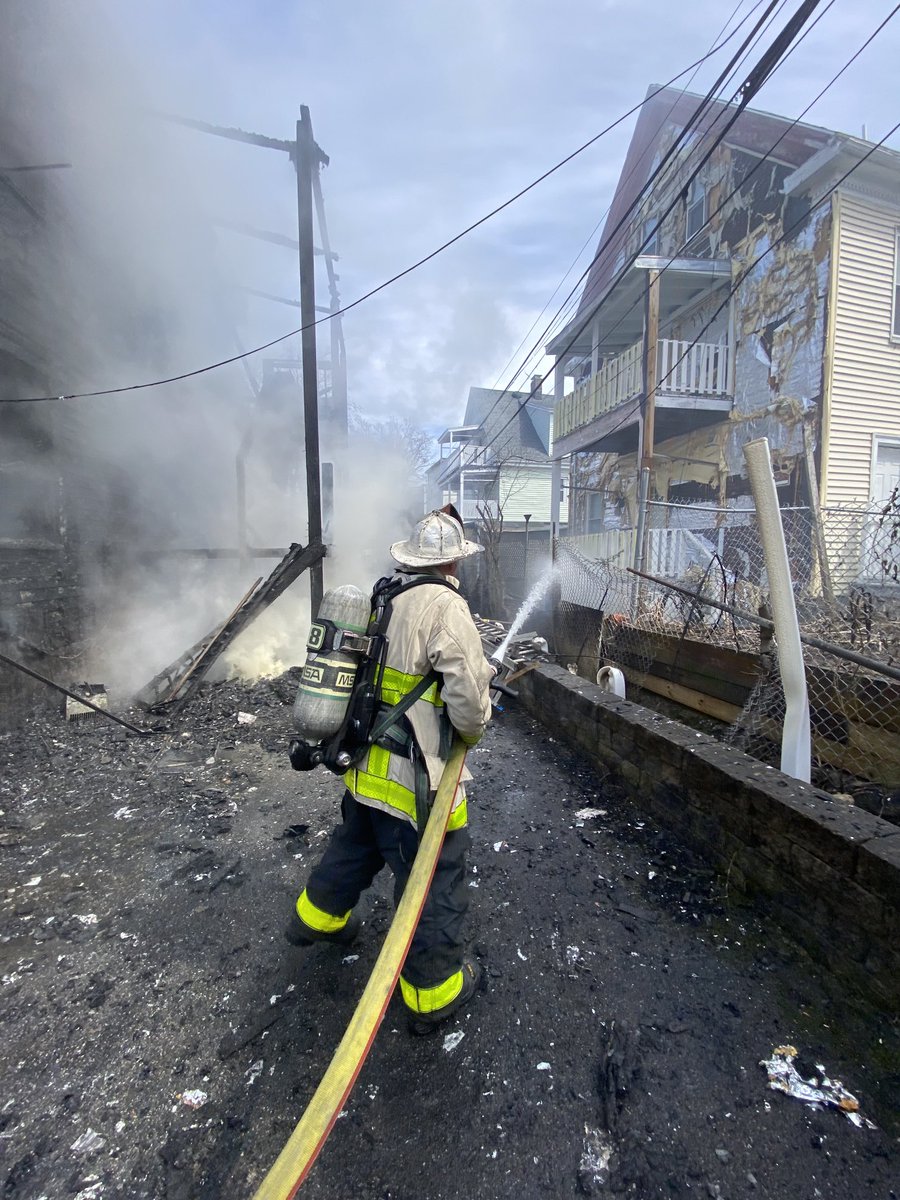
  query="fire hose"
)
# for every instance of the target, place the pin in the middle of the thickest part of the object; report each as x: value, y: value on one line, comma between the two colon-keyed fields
x: 295, y: 1161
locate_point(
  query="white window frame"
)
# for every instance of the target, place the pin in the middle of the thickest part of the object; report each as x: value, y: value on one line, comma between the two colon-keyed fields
x: 692, y: 200
x: 650, y: 229
x: 895, y: 305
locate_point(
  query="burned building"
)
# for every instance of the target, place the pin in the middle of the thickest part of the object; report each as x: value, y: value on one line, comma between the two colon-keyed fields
x: 108, y: 279
x: 752, y: 297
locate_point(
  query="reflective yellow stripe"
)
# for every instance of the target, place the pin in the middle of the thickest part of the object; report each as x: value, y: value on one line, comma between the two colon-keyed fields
x: 429, y: 1000
x: 377, y: 786
x: 316, y: 918
x: 395, y: 795
x: 397, y: 684
x: 459, y: 817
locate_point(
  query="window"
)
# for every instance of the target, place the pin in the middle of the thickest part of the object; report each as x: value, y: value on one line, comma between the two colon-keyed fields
x: 695, y: 209
x: 895, y: 324
x: 650, y: 236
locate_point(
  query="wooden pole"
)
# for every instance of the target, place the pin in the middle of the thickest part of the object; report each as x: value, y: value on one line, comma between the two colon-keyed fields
x: 648, y: 422
x: 651, y: 345
x: 307, y: 162
x: 812, y: 490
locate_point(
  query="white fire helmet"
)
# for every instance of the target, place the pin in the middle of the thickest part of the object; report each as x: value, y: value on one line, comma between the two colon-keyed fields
x: 436, y: 539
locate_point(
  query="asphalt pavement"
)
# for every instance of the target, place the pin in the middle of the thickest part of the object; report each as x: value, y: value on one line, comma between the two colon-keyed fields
x: 160, y: 1040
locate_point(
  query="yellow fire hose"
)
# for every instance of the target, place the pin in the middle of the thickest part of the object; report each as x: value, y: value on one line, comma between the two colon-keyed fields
x: 300, y: 1151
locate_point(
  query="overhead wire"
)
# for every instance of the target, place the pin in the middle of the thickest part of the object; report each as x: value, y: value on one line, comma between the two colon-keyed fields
x: 736, y: 111
x: 742, y: 182
x: 570, y: 302
x: 712, y: 96
x: 134, y: 387
x: 630, y: 412
x: 590, y: 237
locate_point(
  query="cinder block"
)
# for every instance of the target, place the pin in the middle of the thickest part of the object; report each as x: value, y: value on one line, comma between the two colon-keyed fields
x: 878, y: 866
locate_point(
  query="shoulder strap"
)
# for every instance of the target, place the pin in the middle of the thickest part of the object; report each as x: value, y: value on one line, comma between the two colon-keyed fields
x: 397, y: 710
x: 386, y: 591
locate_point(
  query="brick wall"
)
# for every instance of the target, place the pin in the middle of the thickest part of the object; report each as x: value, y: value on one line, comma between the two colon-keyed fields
x: 829, y: 873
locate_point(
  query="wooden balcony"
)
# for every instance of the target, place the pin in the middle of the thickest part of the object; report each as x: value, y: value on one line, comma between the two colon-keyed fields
x: 693, y: 388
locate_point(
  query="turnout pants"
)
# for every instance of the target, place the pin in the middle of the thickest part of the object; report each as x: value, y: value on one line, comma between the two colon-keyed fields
x: 359, y: 847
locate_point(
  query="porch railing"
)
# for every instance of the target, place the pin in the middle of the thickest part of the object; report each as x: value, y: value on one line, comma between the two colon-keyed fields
x: 683, y: 368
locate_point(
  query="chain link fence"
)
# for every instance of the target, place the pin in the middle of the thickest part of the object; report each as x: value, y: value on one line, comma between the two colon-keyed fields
x: 703, y: 643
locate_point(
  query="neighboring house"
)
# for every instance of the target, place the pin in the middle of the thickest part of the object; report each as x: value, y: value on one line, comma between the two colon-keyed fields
x: 805, y: 352
x: 497, y: 464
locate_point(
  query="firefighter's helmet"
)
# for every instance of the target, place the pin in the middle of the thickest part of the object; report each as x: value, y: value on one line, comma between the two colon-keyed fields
x: 435, y: 540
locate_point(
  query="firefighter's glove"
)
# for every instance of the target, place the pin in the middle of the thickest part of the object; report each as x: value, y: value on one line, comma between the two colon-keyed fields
x: 470, y: 739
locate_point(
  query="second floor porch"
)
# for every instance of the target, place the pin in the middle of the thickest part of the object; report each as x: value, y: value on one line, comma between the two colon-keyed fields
x: 681, y: 305
x: 693, y: 388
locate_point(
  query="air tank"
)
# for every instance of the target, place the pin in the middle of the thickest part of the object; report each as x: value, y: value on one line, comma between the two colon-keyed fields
x: 330, y: 671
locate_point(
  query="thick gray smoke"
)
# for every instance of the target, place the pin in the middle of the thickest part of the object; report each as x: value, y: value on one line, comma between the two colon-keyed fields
x: 130, y: 277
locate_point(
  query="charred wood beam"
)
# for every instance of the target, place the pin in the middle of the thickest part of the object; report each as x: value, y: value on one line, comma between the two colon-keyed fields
x: 172, y: 687
x: 11, y: 662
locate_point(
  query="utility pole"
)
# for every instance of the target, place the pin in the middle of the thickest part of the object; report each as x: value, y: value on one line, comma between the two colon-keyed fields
x: 651, y: 345
x: 648, y: 417
x: 307, y: 157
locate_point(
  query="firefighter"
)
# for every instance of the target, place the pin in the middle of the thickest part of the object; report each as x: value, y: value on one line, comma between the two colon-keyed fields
x: 430, y: 628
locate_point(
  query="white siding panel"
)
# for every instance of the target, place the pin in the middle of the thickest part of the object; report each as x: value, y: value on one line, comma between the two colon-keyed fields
x: 526, y: 489
x: 865, y: 382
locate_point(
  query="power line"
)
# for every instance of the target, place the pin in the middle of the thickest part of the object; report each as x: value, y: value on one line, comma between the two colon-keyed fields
x: 779, y: 43
x: 754, y: 40
x: 387, y: 283
x: 605, y: 213
x: 752, y: 266
x: 630, y: 412
x: 752, y: 172
x: 567, y: 305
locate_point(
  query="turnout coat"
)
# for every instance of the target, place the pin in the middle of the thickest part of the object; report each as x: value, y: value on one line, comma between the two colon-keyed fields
x: 430, y: 628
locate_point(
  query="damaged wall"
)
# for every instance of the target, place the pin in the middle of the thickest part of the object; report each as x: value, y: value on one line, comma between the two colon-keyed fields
x: 775, y: 324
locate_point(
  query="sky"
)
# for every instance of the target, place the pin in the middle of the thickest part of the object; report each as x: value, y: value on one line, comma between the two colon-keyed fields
x: 432, y: 114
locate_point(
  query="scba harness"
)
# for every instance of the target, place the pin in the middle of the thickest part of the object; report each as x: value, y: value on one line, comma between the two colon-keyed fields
x: 370, y: 719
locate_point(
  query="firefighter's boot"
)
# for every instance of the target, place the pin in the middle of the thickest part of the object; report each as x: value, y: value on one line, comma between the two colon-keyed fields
x: 424, y: 1022
x: 308, y: 924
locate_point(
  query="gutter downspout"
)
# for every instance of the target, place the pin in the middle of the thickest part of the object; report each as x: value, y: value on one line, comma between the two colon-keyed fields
x: 795, y: 740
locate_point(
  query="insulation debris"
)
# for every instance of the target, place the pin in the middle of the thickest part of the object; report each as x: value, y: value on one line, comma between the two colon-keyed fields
x: 819, y: 1091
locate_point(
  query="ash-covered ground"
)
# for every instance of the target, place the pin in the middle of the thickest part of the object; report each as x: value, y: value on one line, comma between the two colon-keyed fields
x: 615, y: 1050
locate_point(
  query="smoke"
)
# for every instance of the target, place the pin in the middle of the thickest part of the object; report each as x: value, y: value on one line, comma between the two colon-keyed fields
x: 131, y: 278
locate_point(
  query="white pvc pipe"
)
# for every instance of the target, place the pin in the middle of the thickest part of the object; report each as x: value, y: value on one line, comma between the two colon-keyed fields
x: 795, y: 738
x: 611, y: 679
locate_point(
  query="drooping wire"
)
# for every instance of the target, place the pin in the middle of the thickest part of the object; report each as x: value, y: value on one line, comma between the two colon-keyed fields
x: 386, y: 283
x: 569, y: 303
x: 631, y: 410
x: 736, y: 110
x: 590, y: 237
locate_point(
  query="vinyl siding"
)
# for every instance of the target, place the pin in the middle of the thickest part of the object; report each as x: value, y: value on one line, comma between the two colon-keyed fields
x: 526, y: 489
x: 865, y: 382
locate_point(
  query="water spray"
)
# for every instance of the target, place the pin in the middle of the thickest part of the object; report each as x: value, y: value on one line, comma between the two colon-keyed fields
x: 528, y: 605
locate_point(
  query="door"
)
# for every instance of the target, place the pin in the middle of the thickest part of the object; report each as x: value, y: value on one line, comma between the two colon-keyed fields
x: 883, y: 558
